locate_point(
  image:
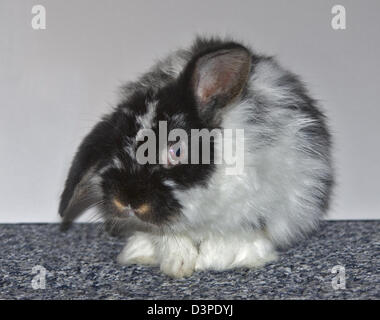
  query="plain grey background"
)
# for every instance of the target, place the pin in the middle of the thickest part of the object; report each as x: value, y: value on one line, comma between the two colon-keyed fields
x: 56, y: 83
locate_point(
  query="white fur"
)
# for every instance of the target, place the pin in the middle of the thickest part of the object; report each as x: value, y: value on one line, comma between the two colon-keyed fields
x: 222, y: 252
x: 145, y: 121
x: 169, y: 183
x: 117, y: 163
x: 177, y: 255
x: 140, y: 249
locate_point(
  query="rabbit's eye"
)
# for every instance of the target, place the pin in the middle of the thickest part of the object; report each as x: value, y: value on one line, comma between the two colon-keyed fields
x: 176, y: 153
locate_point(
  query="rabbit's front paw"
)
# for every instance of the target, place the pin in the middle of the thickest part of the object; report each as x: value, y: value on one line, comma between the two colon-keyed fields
x: 178, y: 257
x: 248, y: 250
x: 139, y: 249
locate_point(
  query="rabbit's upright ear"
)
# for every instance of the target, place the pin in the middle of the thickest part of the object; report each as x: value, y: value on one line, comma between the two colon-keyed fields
x: 82, y: 189
x: 219, y: 77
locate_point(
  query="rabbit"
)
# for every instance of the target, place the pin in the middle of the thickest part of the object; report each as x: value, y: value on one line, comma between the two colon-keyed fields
x: 184, y: 217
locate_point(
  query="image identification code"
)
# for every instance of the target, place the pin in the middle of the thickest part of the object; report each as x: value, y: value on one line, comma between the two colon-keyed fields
x: 201, y: 309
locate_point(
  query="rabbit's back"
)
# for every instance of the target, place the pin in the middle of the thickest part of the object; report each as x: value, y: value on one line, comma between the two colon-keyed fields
x: 288, y: 176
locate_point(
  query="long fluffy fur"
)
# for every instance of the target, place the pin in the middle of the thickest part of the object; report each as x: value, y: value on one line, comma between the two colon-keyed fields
x: 234, y: 221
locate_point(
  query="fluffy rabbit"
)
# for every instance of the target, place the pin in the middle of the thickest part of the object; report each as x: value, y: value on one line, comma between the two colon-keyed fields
x: 185, y: 216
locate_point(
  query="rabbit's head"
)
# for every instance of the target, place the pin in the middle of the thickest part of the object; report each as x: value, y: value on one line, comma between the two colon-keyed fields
x: 130, y: 165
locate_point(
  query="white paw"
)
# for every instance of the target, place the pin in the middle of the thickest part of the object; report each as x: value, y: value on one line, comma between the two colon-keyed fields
x: 214, y: 255
x: 222, y: 253
x: 264, y: 252
x: 140, y: 249
x: 178, y: 256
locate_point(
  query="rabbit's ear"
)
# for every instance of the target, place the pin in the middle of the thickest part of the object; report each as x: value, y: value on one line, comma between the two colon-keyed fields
x: 77, y: 199
x: 219, y: 77
x: 82, y: 187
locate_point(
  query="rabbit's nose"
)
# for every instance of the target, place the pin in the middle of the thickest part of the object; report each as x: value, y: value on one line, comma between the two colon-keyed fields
x: 127, y: 210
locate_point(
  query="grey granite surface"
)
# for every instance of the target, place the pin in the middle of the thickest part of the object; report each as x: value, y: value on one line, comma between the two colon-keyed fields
x: 80, y: 264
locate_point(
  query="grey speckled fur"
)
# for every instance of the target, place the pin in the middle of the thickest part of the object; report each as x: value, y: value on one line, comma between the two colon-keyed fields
x: 81, y: 265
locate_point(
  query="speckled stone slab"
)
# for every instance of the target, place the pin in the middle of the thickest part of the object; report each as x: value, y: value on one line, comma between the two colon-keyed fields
x: 80, y: 264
